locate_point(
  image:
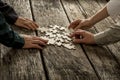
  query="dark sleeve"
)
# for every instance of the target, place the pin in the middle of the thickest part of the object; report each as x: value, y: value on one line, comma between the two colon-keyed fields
x: 7, y: 36
x: 8, y: 12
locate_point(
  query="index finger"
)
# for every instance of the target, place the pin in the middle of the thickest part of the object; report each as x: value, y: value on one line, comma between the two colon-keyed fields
x: 41, y: 39
x: 74, y: 24
x: 44, y: 40
x: 77, y: 33
x: 33, y: 22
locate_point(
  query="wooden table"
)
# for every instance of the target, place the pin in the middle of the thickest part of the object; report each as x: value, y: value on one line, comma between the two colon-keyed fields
x: 87, y: 62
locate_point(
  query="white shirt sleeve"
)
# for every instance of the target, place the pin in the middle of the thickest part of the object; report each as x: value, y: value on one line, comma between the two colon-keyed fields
x: 113, y: 8
x: 108, y: 36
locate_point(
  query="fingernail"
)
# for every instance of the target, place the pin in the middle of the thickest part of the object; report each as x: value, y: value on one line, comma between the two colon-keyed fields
x: 70, y: 36
x: 73, y: 40
x: 75, y: 29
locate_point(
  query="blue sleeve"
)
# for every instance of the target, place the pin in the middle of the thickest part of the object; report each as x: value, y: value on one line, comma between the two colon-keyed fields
x: 8, y: 12
x: 7, y: 36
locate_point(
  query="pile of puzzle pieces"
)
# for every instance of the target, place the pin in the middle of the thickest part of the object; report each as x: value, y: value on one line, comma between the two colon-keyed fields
x: 57, y: 35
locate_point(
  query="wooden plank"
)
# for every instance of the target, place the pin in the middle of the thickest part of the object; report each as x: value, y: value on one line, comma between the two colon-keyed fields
x: 61, y: 63
x: 21, y: 64
x: 106, y: 66
x: 114, y: 48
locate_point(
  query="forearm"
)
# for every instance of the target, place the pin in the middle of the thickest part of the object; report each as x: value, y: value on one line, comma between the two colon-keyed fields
x: 108, y: 36
x: 100, y: 15
x: 110, y: 9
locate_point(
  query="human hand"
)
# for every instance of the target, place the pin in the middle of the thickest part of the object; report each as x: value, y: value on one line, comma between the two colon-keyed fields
x: 81, y: 24
x: 26, y: 23
x: 87, y: 37
x: 34, y: 42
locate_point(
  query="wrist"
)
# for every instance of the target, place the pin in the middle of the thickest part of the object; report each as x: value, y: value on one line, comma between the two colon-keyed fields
x: 92, y: 21
x: 19, y: 20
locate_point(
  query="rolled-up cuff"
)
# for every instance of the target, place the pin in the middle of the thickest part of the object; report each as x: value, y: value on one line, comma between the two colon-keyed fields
x: 108, y: 36
x: 99, y: 38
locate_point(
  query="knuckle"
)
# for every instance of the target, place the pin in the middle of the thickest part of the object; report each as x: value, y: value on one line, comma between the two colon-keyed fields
x: 82, y: 31
x: 33, y: 37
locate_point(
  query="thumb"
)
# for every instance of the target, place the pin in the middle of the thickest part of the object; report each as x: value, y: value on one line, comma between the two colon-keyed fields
x: 79, y: 26
x: 74, y: 24
x: 78, y: 33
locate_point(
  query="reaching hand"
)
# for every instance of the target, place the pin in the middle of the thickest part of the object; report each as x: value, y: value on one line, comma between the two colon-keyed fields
x: 26, y: 23
x: 86, y: 37
x: 34, y: 42
x: 81, y: 24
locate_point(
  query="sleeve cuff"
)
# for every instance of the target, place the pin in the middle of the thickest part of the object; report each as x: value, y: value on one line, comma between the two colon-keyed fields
x: 12, y: 39
x: 18, y: 41
x: 98, y: 38
x: 108, y: 36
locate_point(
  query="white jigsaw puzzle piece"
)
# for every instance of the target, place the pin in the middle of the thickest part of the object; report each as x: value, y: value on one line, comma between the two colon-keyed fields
x: 42, y: 29
x: 44, y: 37
x: 58, y: 43
x: 62, y: 28
x: 55, y: 31
x: 68, y: 46
x: 59, y: 35
x: 61, y: 40
x: 48, y: 34
x: 51, y: 41
x: 56, y: 27
x: 51, y: 26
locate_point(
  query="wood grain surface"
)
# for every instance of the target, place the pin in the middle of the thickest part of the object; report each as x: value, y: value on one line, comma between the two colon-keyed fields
x: 87, y: 62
